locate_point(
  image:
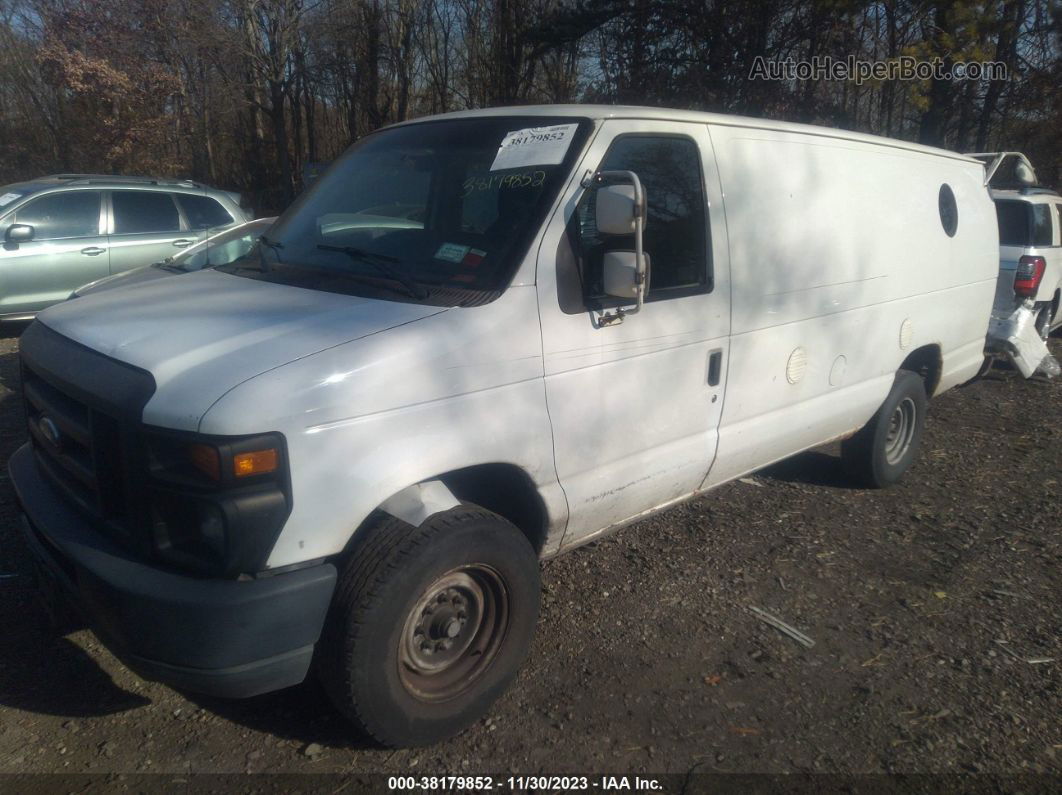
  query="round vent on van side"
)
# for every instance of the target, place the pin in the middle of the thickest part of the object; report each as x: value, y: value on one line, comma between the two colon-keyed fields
x: 795, y: 367
x: 949, y: 210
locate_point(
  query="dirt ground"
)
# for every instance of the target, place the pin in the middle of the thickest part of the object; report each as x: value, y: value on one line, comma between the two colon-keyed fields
x: 925, y: 602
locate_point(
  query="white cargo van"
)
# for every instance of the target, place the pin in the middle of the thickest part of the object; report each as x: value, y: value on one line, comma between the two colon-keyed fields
x: 479, y: 340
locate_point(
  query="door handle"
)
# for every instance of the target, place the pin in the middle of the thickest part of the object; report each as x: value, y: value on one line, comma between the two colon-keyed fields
x: 93, y: 251
x: 715, y: 367
x: 183, y: 243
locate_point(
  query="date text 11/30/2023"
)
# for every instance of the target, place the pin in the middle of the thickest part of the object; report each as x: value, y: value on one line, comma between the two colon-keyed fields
x: 524, y: 783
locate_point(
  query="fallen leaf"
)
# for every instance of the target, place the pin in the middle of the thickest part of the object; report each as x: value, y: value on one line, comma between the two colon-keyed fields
x: 940, y: 594
x: 743, y: 731
x: 713, y: 680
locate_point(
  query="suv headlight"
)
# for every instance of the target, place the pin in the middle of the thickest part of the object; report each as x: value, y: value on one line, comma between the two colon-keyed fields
x: 216, y: 504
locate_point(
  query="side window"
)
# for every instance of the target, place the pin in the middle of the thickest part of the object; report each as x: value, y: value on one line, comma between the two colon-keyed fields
x: 675, y: 235
x: 1041, y: 224
x: 203, y: 212
x: 1058, y: 207
x: 60, y: 215
x: 138, y: 211
x: 1013, y: 218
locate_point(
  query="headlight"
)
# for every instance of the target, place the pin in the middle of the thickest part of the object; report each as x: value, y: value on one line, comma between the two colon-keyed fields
x: 216, y: 504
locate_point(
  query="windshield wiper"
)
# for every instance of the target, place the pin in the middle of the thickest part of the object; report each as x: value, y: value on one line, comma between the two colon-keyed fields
x: 275, y: 245
x: 382, y: 263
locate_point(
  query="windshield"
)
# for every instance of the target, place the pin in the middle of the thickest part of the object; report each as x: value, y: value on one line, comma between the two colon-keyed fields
x: 439, y: 212
x: 220, y: 249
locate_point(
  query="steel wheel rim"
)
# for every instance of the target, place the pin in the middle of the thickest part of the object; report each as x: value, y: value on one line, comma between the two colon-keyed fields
x: 453, y: 633
x: 901, y: 430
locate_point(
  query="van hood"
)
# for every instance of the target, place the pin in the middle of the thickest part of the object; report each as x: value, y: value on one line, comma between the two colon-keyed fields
x: 206, y: 332
x: 146, y: 273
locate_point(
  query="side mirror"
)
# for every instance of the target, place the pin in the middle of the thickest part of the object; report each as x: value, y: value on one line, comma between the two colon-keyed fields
x: 19, y: 233
x: 620, y: 271
x: 616, y: 210
x: 620, y: 210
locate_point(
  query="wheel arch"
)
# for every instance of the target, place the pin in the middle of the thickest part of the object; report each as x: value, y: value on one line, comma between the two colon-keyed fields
x: 927, y: 361
x: 502, y: 488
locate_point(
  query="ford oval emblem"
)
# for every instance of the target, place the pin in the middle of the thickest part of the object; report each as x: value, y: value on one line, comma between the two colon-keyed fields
x: 50, y: 431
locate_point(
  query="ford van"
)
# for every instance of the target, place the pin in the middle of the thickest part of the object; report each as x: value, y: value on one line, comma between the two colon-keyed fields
x: 480, y: 340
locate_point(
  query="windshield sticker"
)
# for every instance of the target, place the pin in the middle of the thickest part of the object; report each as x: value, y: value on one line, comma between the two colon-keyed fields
x: 451, y: 252
x: 534, y: 146
x: 523, y: 179
x: 473, y: 258
x: 7, y: 198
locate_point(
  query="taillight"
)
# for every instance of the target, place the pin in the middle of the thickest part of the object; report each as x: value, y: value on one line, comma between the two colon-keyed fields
x: 1028, y: 276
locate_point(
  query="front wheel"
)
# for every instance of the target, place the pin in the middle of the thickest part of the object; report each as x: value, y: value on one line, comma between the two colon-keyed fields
x: 429, y: 624
x: 886, y: 447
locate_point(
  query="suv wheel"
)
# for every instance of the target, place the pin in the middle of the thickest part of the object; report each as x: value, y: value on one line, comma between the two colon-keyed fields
x: 1044, y: 320
x: 429, y: 624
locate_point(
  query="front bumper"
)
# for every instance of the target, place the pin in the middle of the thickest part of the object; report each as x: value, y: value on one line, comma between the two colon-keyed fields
x: 230, y: 638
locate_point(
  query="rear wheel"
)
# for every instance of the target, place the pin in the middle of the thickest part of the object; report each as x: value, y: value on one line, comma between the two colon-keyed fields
x: 886, y: 447
x: 429, y: 624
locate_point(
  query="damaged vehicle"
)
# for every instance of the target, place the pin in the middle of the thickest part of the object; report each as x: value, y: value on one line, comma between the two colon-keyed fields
x: 1029, y: 289
x: 482, y: 339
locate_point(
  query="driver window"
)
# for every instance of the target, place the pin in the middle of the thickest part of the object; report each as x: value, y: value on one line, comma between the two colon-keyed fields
x: 62, y: 215
x: 675, y: 234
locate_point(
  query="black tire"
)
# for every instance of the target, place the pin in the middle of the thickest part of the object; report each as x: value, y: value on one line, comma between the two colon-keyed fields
x: 879, y: 454
x: 370, y: 660
x: 1044, y: 320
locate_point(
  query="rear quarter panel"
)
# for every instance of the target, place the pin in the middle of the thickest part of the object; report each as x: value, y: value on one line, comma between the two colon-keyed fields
x: 838, y: 255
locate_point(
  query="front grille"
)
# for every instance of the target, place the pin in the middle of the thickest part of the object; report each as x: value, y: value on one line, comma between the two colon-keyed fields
x: 79, y: 448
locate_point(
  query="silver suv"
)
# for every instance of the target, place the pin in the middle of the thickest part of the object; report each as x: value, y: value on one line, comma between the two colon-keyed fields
x: 62, y: 231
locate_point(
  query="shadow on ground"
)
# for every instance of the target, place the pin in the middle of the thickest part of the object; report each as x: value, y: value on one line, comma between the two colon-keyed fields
x: 813, y: 468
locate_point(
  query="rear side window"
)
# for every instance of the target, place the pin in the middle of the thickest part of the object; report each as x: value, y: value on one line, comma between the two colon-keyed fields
x: 675, y: 234
x: 62, y: 215
x: 1041, y: 224
x: 138, y: 212
x: 1024, y: 224
x: 1015, y: 223
x: 203, y: 212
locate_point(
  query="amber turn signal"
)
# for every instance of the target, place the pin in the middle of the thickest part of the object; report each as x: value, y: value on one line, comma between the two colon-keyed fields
x: 206, y: 459
x: 257, y: 463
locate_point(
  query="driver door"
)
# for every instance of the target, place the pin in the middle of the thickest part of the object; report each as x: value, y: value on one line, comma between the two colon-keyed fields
x: 635, y: 405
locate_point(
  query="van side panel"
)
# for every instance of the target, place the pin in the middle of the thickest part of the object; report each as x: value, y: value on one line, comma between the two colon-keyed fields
x: 840, y: 268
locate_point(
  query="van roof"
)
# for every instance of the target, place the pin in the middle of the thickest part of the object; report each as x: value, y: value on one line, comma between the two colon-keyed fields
x: 601, y: 112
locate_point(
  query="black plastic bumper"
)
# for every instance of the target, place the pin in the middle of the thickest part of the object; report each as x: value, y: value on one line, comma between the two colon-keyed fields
x: 221, y: 637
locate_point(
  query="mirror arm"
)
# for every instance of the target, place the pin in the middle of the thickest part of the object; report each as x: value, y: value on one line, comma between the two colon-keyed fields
x: 639, y: 254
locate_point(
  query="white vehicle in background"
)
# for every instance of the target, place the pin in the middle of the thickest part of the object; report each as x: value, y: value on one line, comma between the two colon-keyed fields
x: 1029, y: 288
x: 220, y: 249
x: 1030, y: 251
x: 1030, y: 238
x: 353, y: 445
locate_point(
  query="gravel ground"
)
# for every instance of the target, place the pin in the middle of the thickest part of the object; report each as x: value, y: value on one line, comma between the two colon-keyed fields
x: 924, y: 601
